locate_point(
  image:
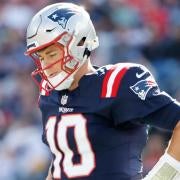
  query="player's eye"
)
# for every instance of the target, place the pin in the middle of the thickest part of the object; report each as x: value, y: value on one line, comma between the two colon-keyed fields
x: 53, y: 54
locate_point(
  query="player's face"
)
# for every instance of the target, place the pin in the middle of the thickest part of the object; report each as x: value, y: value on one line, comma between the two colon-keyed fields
x: 51, y: 58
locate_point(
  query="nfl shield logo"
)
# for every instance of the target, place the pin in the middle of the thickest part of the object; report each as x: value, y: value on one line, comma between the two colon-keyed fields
x: 64, y: 99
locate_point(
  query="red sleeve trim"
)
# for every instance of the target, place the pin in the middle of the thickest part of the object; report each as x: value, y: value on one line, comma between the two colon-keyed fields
x: 112, y: 80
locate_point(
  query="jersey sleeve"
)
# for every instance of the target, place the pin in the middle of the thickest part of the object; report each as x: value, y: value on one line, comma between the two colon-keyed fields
x: 166, y: 117
x: 138, y: 96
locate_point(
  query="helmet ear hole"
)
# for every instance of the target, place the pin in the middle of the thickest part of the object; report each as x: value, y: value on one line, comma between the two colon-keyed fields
x: 81, y: 42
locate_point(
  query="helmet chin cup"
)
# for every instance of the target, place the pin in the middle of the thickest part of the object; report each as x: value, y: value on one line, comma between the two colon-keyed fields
x: 64, y: 83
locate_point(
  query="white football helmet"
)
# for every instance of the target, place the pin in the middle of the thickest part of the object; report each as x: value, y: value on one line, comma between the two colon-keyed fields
x: 69, y: 25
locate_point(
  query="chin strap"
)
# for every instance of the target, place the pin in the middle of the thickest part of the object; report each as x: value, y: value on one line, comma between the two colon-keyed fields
x: 87, y: 52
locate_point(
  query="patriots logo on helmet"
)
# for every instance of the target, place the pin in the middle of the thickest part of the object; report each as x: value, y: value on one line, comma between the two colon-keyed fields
x: 61, y: 16
x: 141, y: 88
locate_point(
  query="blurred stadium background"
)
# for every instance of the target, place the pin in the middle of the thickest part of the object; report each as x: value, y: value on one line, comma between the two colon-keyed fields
x: 142, y: 31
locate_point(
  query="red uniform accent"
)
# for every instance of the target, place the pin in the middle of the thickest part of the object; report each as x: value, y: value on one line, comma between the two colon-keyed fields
x: 116, y: 81
x: 105, y: 81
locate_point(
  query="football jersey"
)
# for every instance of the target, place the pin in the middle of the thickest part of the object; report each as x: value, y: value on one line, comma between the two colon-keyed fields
x: 95, y: 132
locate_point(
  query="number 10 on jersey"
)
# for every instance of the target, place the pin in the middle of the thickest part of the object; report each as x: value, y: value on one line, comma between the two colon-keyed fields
x: 56, y: 134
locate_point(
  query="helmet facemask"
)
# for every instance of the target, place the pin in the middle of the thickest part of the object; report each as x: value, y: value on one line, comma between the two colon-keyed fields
x: 68, y: 65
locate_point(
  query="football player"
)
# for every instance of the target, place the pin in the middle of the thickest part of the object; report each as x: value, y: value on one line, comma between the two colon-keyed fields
x: 95, y: 119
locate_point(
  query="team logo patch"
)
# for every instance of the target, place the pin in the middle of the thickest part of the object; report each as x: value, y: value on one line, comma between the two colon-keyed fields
x: 64, y: 99
x: 141, y: 88
x: 61, y: 16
